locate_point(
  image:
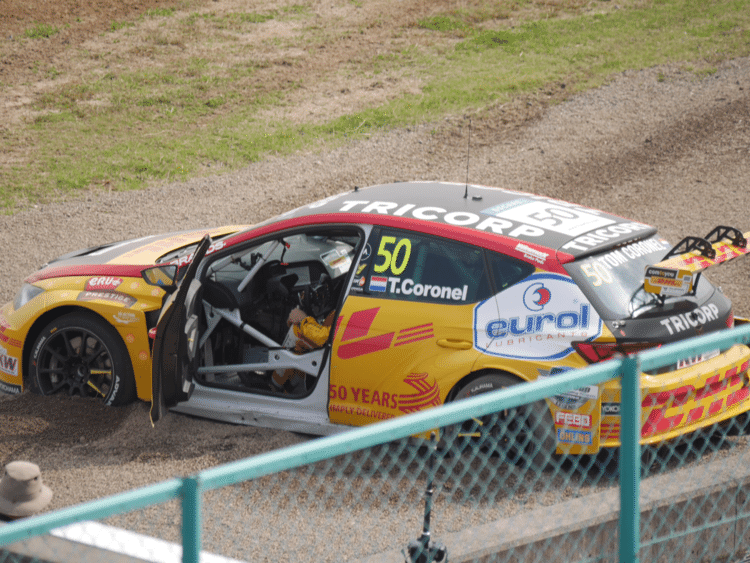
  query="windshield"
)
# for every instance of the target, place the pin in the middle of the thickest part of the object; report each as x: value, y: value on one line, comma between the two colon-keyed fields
x: 184, y: 255
x: 613, y: 280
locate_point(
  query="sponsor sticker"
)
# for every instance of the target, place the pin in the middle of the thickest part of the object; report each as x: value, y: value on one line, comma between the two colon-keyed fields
x: 573, y: 399
x: 407, y: 286
x: 112, y: 296
x: 580, y: 437
x: 662, y: 281
x: 611, y: 409
x: 609, y: 429
x: 125, y: 317
x: 696, y: 318
x: 357, y: 339
x: 540, y: 318
x: 550, y: 216
x: 573, y: 420
x: 378, y: 283
x: 103, y: 283
x: 10, y: 389
x: 424, y: 393
x: 532, y: 253
x: 601, y: 236
x: 492, y: 224
x: 337, y: 259
x: 691, y: 361
x: 8, y: 364
x: 184, y: 260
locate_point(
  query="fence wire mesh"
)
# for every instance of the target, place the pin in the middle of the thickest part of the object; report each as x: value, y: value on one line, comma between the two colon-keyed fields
x: 487, y: 488
x: 370, y: 504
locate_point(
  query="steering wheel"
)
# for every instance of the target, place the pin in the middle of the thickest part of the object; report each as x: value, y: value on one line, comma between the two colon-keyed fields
x: 318, y: 296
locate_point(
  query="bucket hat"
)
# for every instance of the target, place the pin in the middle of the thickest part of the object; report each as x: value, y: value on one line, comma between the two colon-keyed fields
x: 22, y: 492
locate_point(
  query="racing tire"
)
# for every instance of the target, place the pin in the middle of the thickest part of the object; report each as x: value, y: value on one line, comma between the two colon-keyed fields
x: 523, y: 435
x: 79, y: 354
x: 606, y: 464
x: 737, y: 426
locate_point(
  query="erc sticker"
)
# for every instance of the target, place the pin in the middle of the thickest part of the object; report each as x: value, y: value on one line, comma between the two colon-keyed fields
x: 103, y: 283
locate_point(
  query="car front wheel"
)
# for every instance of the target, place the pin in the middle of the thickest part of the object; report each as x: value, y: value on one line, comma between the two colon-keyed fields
x: 79, y: 354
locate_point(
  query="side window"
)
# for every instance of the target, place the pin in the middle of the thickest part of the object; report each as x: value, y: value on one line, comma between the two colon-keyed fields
x: 265, y: 282
x: 414, y: 267
x: 507, y: 271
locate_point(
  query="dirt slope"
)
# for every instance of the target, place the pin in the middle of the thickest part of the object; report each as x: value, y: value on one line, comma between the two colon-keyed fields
x: 661, y: 146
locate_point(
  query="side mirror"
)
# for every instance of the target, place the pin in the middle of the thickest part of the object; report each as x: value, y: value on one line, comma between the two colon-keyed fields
x: 161, y: 276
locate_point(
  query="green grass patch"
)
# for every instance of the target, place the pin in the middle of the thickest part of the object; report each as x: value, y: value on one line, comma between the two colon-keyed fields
x: 128, y: 128
x: 235, y: 20
x: 115, y: 26
x: 444, y: 23
x: 159, y: 12
x: 41, y: 31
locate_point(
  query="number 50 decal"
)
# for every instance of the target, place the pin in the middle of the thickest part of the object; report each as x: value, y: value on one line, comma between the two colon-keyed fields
x: 396, y: 259
x: 599, y: 272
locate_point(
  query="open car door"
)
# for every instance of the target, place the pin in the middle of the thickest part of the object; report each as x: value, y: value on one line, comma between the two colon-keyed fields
x: 176, y: 341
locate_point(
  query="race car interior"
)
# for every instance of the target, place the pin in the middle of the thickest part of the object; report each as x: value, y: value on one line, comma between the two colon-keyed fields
x: 247, y: 300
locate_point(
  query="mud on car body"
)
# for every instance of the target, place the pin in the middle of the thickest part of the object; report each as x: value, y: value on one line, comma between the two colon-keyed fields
x: 429, y: 293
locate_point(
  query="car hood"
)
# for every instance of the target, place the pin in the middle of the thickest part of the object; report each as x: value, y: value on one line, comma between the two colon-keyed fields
x: 127, y: 257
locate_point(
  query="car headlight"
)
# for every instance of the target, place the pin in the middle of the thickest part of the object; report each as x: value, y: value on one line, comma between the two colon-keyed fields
x: 26, y: 294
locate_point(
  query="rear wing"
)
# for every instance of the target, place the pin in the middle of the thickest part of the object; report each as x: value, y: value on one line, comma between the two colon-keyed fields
x: 678, y: 273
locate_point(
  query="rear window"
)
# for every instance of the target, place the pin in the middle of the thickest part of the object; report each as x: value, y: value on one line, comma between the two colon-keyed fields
x: 613, y: 280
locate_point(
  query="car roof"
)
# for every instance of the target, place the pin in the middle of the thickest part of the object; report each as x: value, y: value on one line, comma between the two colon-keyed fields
x: 569, y: 231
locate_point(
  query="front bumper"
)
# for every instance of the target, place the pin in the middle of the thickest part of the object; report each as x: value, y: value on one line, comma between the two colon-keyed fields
x: 11, y: 350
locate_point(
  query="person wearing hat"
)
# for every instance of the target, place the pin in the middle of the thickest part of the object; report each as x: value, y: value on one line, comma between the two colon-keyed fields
x: 22, y: 492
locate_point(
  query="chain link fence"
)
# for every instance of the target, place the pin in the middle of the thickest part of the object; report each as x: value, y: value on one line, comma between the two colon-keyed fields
x: 486, y: 487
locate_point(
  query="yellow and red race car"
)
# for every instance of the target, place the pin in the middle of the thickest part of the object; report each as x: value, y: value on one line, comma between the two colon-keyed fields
x: 384, y: 301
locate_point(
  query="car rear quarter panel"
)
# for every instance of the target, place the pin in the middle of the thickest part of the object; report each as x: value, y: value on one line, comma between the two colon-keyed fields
x: 576, y: 414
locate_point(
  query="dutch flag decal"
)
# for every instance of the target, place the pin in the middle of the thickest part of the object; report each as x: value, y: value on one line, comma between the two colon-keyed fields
x: 378, y: 283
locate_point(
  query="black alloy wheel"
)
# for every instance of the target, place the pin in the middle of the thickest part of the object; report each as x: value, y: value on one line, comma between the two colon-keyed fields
x: 79, y: 354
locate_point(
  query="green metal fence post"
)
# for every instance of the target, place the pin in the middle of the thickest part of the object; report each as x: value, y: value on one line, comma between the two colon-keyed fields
x: 191, y: 519
x: 630, y: 460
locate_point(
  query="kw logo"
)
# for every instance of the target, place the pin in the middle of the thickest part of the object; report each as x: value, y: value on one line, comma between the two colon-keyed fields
x: 355, y: 341
x: 427, y: 393
x: 8, y: 364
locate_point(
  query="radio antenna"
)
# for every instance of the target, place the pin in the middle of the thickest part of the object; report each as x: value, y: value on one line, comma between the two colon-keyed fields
x: 468, y: 152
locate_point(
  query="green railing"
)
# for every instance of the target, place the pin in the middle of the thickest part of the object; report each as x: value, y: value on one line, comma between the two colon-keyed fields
x: 368, y: 485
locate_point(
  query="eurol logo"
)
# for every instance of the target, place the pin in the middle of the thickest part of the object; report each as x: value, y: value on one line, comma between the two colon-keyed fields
x: 536, y: 297
x: 538, y: 319
x: 103, y: 283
